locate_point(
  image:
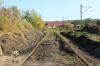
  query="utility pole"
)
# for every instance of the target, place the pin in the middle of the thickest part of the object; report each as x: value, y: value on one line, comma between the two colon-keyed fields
x: 63, y: 19
x: 81, y: 7
x: 82, y: 12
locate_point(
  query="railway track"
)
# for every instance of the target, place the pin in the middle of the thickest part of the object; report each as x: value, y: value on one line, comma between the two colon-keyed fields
x: 57, y: 59
x: 34, y: 49
x: 87, y: 59
x: 83, y: 59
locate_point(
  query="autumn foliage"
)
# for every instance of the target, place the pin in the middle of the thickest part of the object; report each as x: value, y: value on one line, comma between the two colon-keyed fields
x: 33, y: 18
x: 11, y: 20
x: 69, y: 26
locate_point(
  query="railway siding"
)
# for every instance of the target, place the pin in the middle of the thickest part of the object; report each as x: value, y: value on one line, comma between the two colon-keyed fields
x: 48, y: 53
x: 34, y: 49
x: 75, y: 49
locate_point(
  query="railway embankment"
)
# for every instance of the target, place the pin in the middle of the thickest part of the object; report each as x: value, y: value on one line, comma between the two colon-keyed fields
x: 85, y: 43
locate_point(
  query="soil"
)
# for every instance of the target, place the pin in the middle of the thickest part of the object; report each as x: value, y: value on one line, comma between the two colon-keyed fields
x: 18, y: 42
x: 10, y: 60
x: 15, y: 42
x: 50, y: 53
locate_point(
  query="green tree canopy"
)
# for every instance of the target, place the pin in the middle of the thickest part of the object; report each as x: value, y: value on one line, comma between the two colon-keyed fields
x: 35, y: 19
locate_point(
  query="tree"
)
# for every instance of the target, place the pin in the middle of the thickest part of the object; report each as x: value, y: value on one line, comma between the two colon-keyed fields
x: 69, y: 26
x: 35, y: 19
x: 98, y: 22
x: 9, y: 19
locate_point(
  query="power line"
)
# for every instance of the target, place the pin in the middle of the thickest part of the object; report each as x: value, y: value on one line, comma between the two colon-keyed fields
x: 82, y: 12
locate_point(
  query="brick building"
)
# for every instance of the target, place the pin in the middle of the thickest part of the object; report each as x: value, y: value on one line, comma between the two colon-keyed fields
x: 54, y: 24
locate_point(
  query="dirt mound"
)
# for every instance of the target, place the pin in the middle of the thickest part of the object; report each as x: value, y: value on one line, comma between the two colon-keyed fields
x: 92, y: 28
x: 21, y: 42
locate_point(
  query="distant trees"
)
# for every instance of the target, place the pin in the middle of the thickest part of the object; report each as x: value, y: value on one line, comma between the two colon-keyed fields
x: 98, y: 22
x: 69, y: 26
x: 35, y: 19
x: 11, y: 19
x: 89, y: 25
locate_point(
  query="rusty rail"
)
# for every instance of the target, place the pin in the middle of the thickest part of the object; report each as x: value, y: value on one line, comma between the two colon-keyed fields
x: 76, y: 50
x: 34, y: 49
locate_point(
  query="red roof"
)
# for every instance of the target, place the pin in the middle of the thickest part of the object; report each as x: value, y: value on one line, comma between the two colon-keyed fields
x: 56, y: 23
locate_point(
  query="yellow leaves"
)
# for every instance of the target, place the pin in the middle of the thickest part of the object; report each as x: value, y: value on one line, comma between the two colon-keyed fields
x: 40, y: 24
x: 34, y: 19
x: 9, y: 20
x: 69, y: 26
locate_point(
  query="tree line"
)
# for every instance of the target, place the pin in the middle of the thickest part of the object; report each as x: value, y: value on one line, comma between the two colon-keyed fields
x: 13, y: 18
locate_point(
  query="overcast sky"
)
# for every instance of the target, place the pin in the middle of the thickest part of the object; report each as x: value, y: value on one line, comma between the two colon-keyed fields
x: 57, y: 9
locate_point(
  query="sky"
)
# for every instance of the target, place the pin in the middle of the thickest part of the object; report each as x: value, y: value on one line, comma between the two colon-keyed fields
x: 58, y: 9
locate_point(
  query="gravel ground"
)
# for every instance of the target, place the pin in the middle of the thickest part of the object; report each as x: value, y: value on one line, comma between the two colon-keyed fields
x: 49, y: 53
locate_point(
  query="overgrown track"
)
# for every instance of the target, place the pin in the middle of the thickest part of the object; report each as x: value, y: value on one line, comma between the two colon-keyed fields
x: 90, y: 49
x: 45, y: 42
x: 34, y: 49
x: 88, y: 60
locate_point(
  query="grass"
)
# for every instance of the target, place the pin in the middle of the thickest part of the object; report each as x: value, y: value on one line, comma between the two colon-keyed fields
x: 78, y: 34
x: 81, y: 33
x: 95, y: 37
x: 71, y: 57
x: 58, y: 29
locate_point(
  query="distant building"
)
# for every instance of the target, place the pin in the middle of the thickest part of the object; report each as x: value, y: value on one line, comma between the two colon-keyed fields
x: 54, y: 24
